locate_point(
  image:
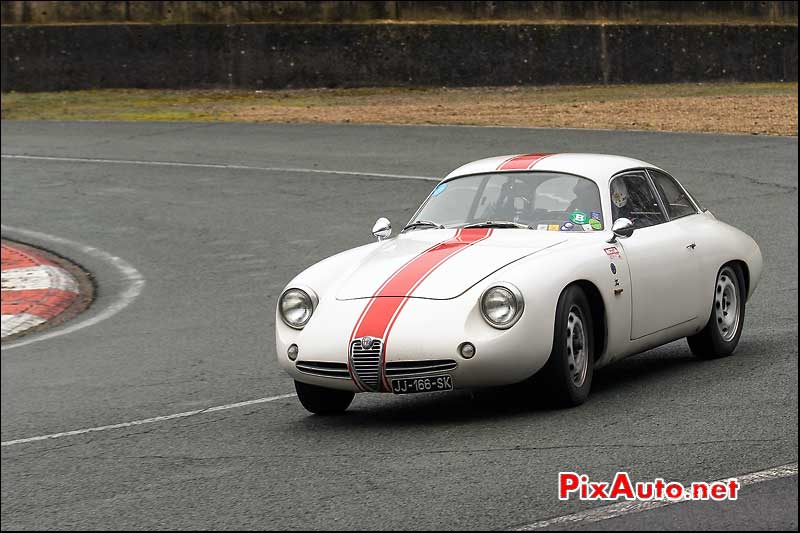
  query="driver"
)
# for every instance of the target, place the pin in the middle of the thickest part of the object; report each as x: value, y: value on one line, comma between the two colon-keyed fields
x: 619, y: 199
x: 512, y: 203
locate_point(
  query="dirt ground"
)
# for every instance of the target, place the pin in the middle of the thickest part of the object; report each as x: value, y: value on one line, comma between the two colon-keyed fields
x: 762, y: 109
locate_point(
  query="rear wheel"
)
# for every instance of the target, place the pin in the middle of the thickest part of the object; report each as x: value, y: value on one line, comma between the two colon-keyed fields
x: 567, y: 376
x: 720, y: 336
x: 322, y: 401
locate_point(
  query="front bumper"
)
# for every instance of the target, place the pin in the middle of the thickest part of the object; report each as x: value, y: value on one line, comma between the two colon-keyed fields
x: 426, y: 330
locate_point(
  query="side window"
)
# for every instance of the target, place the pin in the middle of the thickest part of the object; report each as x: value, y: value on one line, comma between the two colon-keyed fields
x: 633, y: 198
x: 677, y: 203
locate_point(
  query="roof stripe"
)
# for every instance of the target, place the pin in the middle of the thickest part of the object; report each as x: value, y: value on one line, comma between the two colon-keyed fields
x: 521, y: 162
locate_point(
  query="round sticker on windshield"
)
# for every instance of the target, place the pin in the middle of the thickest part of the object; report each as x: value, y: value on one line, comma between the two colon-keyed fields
x: 595, y: 224
x: 579, y: 217
x: 439, y: 189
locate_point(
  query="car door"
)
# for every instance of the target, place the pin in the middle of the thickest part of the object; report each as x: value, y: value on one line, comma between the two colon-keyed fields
x: 659, y: 254
x: 685, y: 214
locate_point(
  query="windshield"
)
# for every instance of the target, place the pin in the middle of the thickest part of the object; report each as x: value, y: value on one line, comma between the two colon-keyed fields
x: 542, y: 200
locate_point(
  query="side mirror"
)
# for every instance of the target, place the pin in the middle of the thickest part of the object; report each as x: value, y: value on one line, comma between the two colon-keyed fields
x: 382, y: 228
x: 622, y: 228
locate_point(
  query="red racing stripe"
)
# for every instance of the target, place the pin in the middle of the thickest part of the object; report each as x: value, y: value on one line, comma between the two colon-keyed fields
x: 521, y: 162
x: 384, y: 307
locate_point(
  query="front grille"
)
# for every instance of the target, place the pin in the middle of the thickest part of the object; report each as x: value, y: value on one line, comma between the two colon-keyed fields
x: 324, y: 369
x: 412, y: 368
x: 366, y: 363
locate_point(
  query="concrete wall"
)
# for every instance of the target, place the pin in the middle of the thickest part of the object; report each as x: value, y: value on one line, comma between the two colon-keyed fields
x: 55, y: 12
x: 47, y: 58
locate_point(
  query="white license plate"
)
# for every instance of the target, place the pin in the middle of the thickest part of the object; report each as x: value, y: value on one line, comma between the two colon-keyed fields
x: 415, y: 385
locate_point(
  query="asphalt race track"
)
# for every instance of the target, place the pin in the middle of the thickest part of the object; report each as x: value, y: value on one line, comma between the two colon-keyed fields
x: 212, y: 247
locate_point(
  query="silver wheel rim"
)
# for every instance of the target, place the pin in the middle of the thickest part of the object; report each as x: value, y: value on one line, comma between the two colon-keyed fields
x: 726, y: 304
x: 577, y: 357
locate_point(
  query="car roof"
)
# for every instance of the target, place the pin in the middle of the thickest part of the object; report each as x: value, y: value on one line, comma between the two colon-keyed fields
x: 598, y: 167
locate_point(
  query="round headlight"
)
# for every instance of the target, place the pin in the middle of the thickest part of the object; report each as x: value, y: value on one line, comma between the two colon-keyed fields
x: 501, y: 305
x: 295, y: 307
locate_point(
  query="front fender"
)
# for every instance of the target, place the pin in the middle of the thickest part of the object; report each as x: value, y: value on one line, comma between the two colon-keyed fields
x: 319, y: 275
x: 542, y: 278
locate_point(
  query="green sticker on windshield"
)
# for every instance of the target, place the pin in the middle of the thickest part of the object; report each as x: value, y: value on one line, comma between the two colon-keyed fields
x: 579, y: 217
x: 595, y: 224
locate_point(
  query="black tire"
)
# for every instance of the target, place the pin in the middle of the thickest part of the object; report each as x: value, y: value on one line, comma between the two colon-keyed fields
x: 557, y: 375
x: 322, y: 401
x: 710, y: 342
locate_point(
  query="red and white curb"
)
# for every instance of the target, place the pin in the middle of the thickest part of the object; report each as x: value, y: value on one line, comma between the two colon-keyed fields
x: 34, y: 289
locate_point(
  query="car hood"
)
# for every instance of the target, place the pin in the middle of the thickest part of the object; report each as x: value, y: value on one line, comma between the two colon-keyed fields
x: 440, y: 264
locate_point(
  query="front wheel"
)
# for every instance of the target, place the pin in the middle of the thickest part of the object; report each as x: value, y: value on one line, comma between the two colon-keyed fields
x: 322, y: 401
x: 567, y: 376
x: 720, y: 336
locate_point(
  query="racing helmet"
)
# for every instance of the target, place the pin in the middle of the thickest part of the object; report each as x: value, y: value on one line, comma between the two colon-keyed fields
x: 619, y: 193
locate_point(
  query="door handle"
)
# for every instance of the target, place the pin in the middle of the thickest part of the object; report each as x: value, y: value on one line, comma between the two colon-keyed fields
x: 691, y: 246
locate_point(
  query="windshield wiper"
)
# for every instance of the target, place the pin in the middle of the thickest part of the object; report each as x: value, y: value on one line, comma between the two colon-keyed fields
x: 498, y: 224
x: 423, y: 224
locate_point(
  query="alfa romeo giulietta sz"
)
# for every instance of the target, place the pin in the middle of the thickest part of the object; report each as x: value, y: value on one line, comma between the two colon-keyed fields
x: 536, y: 267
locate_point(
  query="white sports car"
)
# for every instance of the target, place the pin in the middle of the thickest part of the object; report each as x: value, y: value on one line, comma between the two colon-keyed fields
x: 542, y: 266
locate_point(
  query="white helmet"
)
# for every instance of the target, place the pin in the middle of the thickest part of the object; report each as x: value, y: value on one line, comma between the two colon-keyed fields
x: 619, y: 193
